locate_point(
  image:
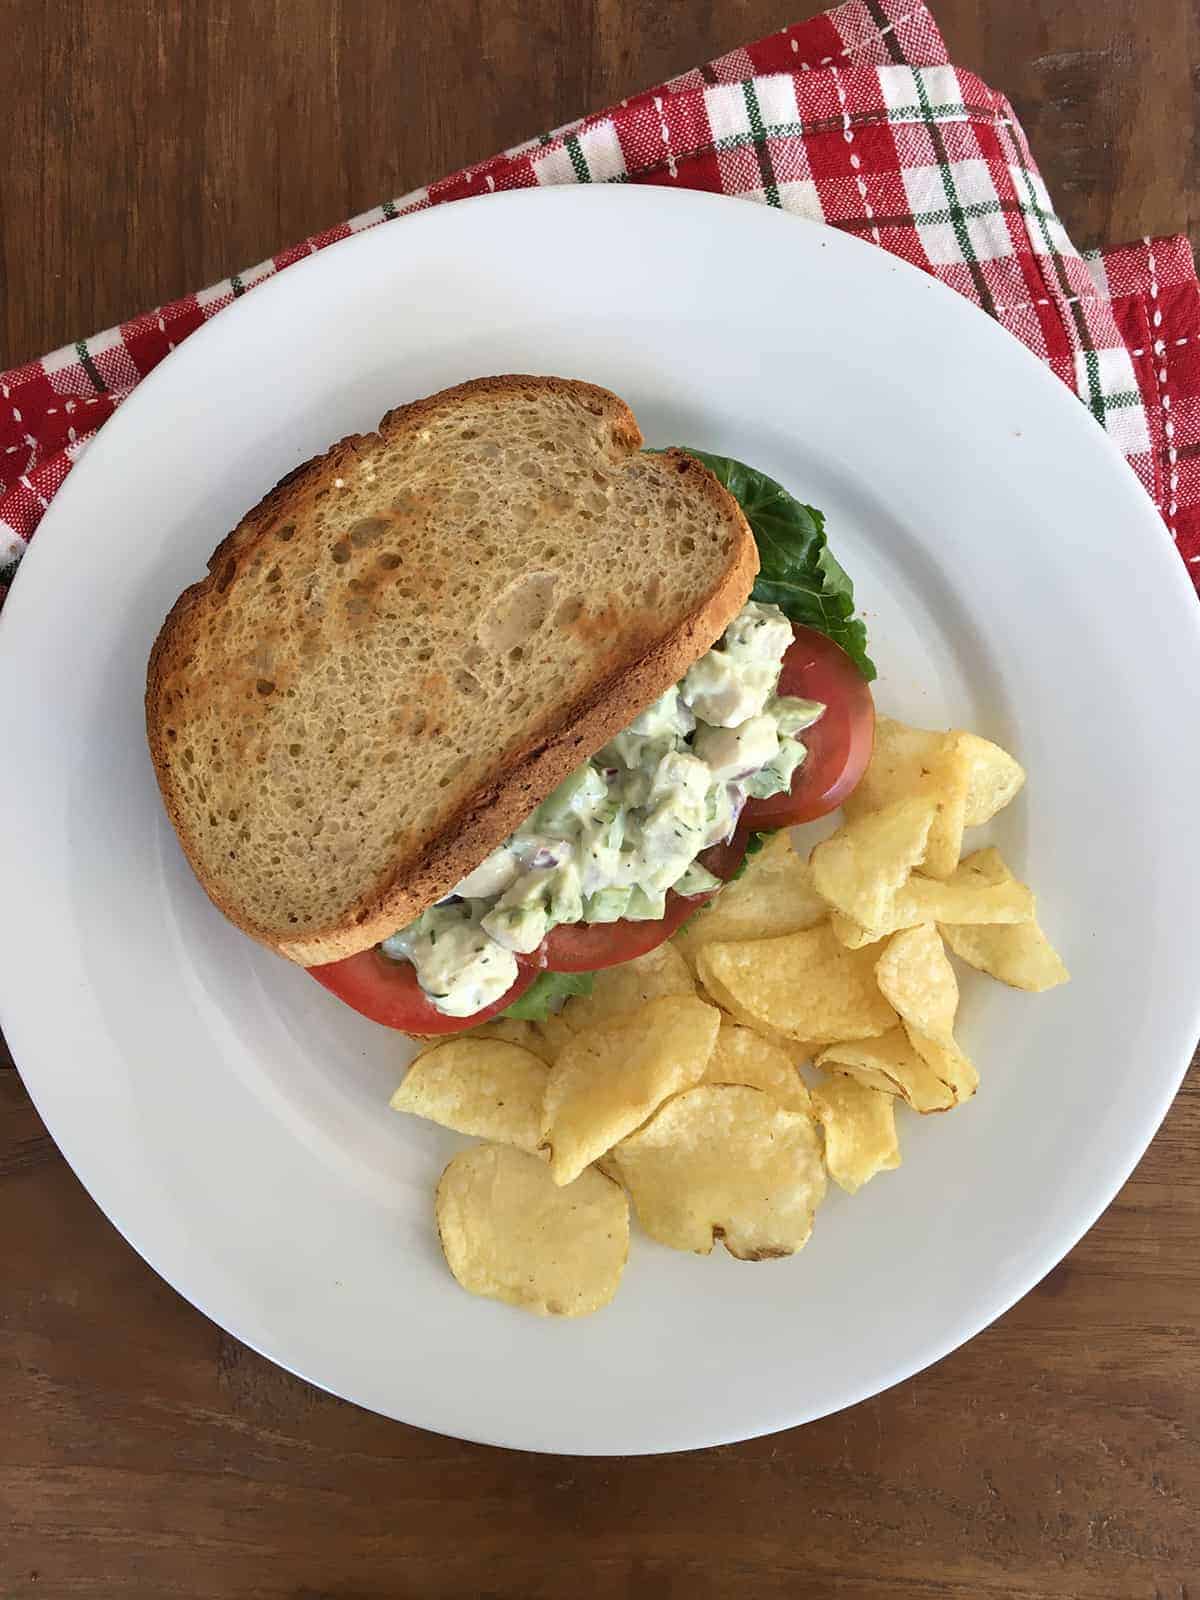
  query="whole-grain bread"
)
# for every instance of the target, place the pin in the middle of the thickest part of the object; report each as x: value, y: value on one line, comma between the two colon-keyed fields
x: 414, y: 637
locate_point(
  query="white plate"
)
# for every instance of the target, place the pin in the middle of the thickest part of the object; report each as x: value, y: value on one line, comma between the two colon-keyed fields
x: 230, y: 1117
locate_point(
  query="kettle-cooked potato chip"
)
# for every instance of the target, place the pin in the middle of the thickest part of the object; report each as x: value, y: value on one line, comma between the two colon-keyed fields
x: 1020, y: 955
x: 480, y: 1086
x: 859, y: 869
x: 774, y: 895
x: 946, y: 1061
x: 510, y: 1233
x: 947, y: 783
x: 723, y: 1161
x: 916, y: 762
x: 732, y: 1011
x: 968, y: 895
x: 915, y: 974
x: 993, y: 778
x: 744, y: 1056
x: 855, y: 937
x: 510, y: 1030
x: 900, y: 759
x: 891, y: 1065
x: 860, y: 1130
x: 916, y: 977
x: 615, y: 991
x: 802, y: 986
x: 608, y: 1079
x: 555, y: 1032
x: 621, y: 989
x: 971, y: 894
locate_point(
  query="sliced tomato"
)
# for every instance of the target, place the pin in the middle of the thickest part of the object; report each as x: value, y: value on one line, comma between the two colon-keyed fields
x: 588, y: 946
x: 839, y: 745
x: 388, y: 992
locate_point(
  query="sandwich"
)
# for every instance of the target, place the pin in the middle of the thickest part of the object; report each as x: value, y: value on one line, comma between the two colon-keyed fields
x: 475, y: 705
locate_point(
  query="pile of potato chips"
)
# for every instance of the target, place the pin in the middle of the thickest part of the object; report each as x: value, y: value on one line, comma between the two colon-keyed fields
x: 676, y: 1083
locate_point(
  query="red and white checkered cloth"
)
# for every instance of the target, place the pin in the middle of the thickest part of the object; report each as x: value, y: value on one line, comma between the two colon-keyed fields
x: 855, y: 118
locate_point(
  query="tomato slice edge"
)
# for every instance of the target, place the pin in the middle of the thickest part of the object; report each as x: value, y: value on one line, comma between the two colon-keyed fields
x: 387, y: 992
x: 839, y: 744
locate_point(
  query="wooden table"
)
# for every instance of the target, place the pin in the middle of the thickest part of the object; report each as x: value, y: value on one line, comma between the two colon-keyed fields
x: 143, y: 1452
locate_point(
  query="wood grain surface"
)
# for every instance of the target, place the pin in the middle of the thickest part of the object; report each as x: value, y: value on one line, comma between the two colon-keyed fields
x: 149, y: 148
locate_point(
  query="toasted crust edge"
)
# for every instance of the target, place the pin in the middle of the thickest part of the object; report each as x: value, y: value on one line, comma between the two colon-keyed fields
x: 491, y: 813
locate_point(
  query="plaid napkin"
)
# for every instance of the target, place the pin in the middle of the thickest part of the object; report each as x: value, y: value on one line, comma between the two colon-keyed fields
x: 855, y: 118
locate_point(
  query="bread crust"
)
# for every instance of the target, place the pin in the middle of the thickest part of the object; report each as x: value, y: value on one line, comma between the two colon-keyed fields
x: 488, y: 814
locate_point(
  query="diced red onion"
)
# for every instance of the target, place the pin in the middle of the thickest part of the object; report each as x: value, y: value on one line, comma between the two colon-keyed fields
x: 738, y: 797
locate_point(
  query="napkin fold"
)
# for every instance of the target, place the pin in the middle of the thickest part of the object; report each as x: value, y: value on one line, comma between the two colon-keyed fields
x: 855, y: 118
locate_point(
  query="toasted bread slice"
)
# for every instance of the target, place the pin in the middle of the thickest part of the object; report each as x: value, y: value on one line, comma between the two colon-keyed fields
x: 401, y: 650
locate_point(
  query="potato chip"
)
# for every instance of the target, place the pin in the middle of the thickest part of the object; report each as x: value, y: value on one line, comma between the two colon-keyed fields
x: 968, y: 895
x: 509, y: 1030
x: 743, y: 1056
x: 1020, y: 955
x: 993, y: 779
x: 615, y: 991
x: 915, y: 976
x: 860, y: 1131
x: 555, y: 1033
x: 774, y: 895
x: 947, y: 781
x: 900, y: 759
x: 947, y: 1062
x: 890, y: 1065
x: 987, y: 866
x: 723, y: 1161
x: 859, y: 868
x: 803, y: 986
x: 479, y: 1086
x: 851, y: 934
x: 510, y: 1233
x: 610, y: 1078
x: 915, y: 762
x: 618, y: 990
x: 732, y: 1011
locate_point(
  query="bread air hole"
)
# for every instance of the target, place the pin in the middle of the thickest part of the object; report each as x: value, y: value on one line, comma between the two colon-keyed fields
x: 368, y: 532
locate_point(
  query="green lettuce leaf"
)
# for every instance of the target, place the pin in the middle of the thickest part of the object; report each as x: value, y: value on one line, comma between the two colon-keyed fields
x: 797, y: 570
x: 547, y: 994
